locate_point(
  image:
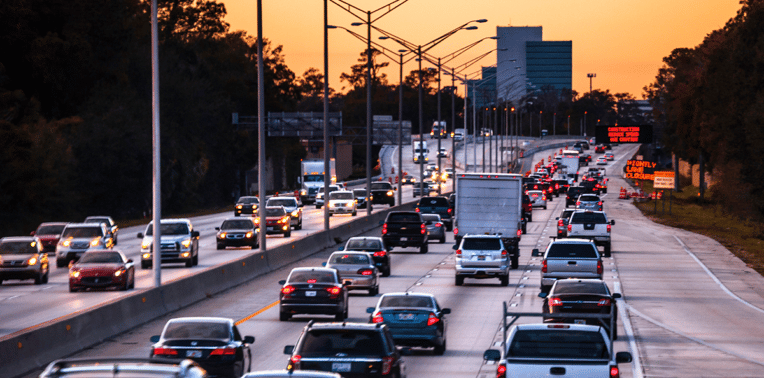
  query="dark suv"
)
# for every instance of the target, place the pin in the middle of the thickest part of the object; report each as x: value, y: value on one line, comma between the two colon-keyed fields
x: 436, y: 205
x: 573, y: 193
x: 383, y: 193
x: 351, y: 349
x: 405, y: 229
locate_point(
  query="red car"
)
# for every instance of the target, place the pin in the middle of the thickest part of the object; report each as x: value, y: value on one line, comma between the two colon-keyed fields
x: 277, y: 221
x: 99, y: 269
x: 49, y: 233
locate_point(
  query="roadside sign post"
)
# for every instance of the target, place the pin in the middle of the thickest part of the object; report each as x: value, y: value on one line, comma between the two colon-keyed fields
x: 664, y: 180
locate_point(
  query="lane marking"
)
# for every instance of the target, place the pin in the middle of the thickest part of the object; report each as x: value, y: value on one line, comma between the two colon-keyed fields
x: 636, y: 367
x: 258, y: 312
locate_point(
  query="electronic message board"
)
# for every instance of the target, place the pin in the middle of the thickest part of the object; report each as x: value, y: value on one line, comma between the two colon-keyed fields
x: 640, y: 170
x: 624, y: 134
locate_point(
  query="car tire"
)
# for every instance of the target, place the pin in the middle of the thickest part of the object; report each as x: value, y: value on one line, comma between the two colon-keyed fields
x: 386, y: 272
x: 524, y: 228
x: 190, y: 262
x: 299, y: 225
x: 145, y: 265
x: 236, y: 214
x: 284, y: 316
x: 424, y: 249
x: 544, y: 207
x: 374, y: 291
x: 340, y: 316
x: 72, y: 289
x: 607, y: 250
x: 514, y: 261
x: 458, y: 280
x: 440, y: 349
x: 60, y: 263
x: 46, y: 277
x: 530, y: 218
x: 255, y: 245
x: 125, y: 286
x: 38, y: 279
x: 504, y: 280
x: 132, y: 281
x: 355, y: 213
x: 318, y: 206
x: 288, y: 234
x: 196, y: 259
x: 220, y: 246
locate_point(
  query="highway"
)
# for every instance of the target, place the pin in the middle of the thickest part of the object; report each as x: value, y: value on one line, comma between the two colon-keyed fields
x: 689, y: 308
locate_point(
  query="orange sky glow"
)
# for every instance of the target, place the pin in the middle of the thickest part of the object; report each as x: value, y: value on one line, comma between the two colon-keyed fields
x: 622, y: 41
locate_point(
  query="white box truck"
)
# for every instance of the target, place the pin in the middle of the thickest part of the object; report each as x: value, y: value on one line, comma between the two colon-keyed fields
x: 570, y: 163
x: 312, y: 178
x: 490, y: 203
x: 420, y: 152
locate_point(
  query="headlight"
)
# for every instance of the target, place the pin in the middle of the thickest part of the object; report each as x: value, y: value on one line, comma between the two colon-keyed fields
x: 239, y: 207
x: 221, y: 235
x: 119, y: 273
x: 303, y: 192
x: 249, y: 234
x: 74, y: 274
x: 66, y: 242
x: 32, y: 261
x: 257, y: 220
x: 331, y: 204
x: 146, y: 244
x: 389, y: 193
x: 296, y: 213
x: 186, y: 243
x: 95, y: 242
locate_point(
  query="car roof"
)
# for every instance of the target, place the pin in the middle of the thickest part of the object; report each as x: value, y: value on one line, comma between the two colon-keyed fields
x: 291, y: 374
x: 470, y: 236
x: 557, y: 326
x: 571, y: 241
x: 407, y: 294
x: 316, y: 269
x: 365, y: 238
x: 89, y: 225
x: 346, y: 325
x: 283, y: 198
x: 201, y: 319
x: 92, y: 367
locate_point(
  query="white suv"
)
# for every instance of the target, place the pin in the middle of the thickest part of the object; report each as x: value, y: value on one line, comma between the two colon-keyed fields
x: 76, y: 238
x: 342, y: 202
x: 482, y: 256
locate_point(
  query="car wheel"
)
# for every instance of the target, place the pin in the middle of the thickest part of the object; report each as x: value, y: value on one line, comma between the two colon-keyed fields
x: 607, y: 250
x: 60, y: 263
x: 254, y: 245
x: 442, y: 240
x: 236, y: 214
x: 530, y: 218
x: 196, y: 259
x: 386, y: 272
x: 515, y: 263
x: 459, y: 280
x: 340, y: 316
x: 524, y: 228
x: 299, y: 225
x: 38, y: 279
x: 544, y: 207
x: 284, y: 316
x: 440, y: 349
x: 330, y: 214
x: 125, y: 286
x: 132, y: 281
x: 423, y: 249
x: 190, y: 262
x: 45, y: 278
x: 1, y: 282
x: 145, y: 265
x: 504, y: 280
x: 220, y: 246
x: 72, y: 289
x: 288, y: 234
x: 318, y: 206
x: 374, y: 291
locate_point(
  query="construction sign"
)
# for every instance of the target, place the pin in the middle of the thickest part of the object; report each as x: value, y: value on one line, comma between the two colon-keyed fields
x: 663, y: 180
x: 640, y: 170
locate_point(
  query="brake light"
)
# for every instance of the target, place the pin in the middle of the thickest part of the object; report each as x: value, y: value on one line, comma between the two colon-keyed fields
x: 438, y: 224
x: 312, y: 280
x: 458, y: 252
x: 578, y: 203
x: 608, y: 228
x: 570, y: 227
x: 417, y: 209
x: 449, y: 210
x: 289, y: 289
x: 377, y: 318
x: 380, y: 254
x: 560, y: 223
x: 223, y: 352
x: 432, y: 319
x: 456, y: 231
x: 165, y: 352
x: 604, y: 302
x: 384, y: 229
x: 504, y: 253
x: 543, y: 197
x: 334, y: 290
x: 519, y: 232
x: 599, y: 267
x: 365, y: 272
x: 295, y: 359
x: 599, y: 203
x: 614, y: 373
x: 543, y: 266
x: 557, y: 186
x: 423, y: 229
x: 555, y: 302
x: 387, y: 365
x: 501, y: 371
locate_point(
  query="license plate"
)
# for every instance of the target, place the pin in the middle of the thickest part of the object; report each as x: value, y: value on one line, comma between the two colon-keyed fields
x: 579, y: 321
x: 405, y: 316
x: 481, y: 258
x: 341, y: 367
x: 194, y: 353
x: 310, y: 293
x: 404, y: 239
x: 271, y: 228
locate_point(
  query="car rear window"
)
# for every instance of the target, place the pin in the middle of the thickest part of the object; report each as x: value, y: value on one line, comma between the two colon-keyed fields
x: 481, y: 243
x: 347, y: 258
x: 404, y: 217
x: 554, y: 343
x: 196, y: 330
x: 431, y: 218
x: 577, y: 287
x: 363, y: 245
x: 588, y: 197
x: 17, y: 247
x: 584, y: 218
x: 433, y: 201
x: 576, y: 189
x: 406, y: 301
x: 347, y: 342
x: 312, y: 277
x: 50, y: 230
x: 572, y: 250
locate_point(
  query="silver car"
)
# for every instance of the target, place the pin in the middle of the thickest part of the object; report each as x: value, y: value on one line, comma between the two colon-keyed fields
x: 435, y: 227
x: 358, y: 268
x: 320, y: 195
x: 292, y: 206
x: 538, y: 198
x: 78, y: 238
x: 22, y: 258
x: 589, y: 202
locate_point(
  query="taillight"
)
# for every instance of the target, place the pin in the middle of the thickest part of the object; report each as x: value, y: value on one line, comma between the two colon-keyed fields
x: 456, y: 231
x: 519, y: 232
x: 387, y: 365
x: 599, y: 267
x: 449, y: 210
x: 614, y: 373
x: 560, y: 223
x: 377, y: 318
x: 365, y: 272
x: 334, y: 290
x: 432, y: 319
x: 555, y: 302
x: 543, y: 266
x: 604, y: 302
x: 165, y: 352
x: 599, y: 203
x: 458, y: 252
x: 543, y: 197
x: 438, y: 224
x: 380, y: 254
x: 296, y: 360
x: 417, y: 209
x: 501, y: 371
x: 384, y: 229
x: 578, y: 203
x: 223, y: 352
x: 289, y: 289
x: 423, y: 229
x: 570, y: 227
x: 608, y: 228
x: 504, y: 254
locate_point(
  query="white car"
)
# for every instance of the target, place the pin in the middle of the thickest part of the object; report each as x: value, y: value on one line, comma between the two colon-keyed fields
x: 609, y: 156
x: 601, y: 160
x: 538, y: 198
x: 442, y: 152
x: 342, y: 202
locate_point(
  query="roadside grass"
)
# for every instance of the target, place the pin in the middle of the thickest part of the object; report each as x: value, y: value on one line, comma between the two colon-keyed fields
x: 743, y: 237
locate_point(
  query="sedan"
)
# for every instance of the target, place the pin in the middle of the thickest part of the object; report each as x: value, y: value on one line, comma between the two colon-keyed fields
x: 435, y: 227
x: 562, y: 223
x: 100, y: 269
x: 443, y: 152
x: 214, y: 343
x: 292, y: 206
x: 414, y: 319
x: 291, y: 374
x: 581, y: 296
x: 313, y: 291
x: 589, y: 202
x: 22, y: 258
x: 237, y: 232
x: 277, y: 221
x: 408, y: 180
x: 49, y: 234
x: 601, y: 160
x: 374, y: 246
x: 609, y: 156
x: 429, y: 188
x: 357, y: 270
x: 342, y: 202
x: 360, y: 198
x: 538, y: 198
x: 246, y: 205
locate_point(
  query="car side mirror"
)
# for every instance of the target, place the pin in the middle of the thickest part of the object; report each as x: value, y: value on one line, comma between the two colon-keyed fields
x: 612, y: 222
x: 323, y: 263
x: 616, y: 295
x: 446, y: 311
x: 288, y: 349
x: 346, y: 281
x: 217, y: 228
x: 249, y: 339
x: 406, y: 351
x: 282, y: 282
x: 535, y: 252
x: 492, y: 355
x: 154, y: 339
x: 194, y: 234
x: 370, y: 310
x: 454, y: 247
x: 622, y: 357
x: 140, y: 235
x: 341, y: 248
x: 542, y: 295
x: 557, y: 218
x: 129, y: 260
x: 32, y: 233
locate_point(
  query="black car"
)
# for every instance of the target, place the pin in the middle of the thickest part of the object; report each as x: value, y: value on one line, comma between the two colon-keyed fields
x: 405, y: 229
x: 354, y: 350
x: 581, y: 296
x: 415, y: 319
x: 246, y: 205
x: 572, y: 195
x: 436, y: 205
x: 375, y: 247
x: 383, y: 192
x: 360, y: 198
x: 313, y: 291
x: 237, y: 232
x: 214, y: 343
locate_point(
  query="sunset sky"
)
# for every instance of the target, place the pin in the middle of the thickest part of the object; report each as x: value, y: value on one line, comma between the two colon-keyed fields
x: 622, y: 41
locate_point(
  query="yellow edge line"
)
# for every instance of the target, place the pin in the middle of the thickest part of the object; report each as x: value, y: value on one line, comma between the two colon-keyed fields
x: 258, y: 312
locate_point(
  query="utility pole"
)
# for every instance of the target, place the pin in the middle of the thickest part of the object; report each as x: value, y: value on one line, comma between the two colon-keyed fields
x: 591, y: 76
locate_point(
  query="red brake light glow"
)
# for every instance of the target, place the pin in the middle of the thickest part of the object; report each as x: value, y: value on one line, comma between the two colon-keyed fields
x: 223, y: 352
x: 543, y: 266
x: 599, y: 267
x: 417, y: 209
x: 377, y: 318
x: 380, y: 254
x: 570, y: 227
x: 295, y: 359
x: 456, y: 231
x: 289, y: 289
x: 438, y: 224
x: 458, y: 252
x: 432, y: 319
x: 604, y: 302
x: 387, y: 365
x: 614, y: 373
x: 608, y: 228
x: 365, y: 272
x: 312, y: 280
x: 501, y: 371
x: 555, y: 302
x: 504, y: 253
x: 423, y: 229
x: 384, y: 229
x: 165, y: 352
x: 333, y: 290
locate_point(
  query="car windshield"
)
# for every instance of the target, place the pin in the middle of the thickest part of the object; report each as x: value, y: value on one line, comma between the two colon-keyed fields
x: 588, y: 218
x: 572, y: 250
x: 180, y: 228
x: 97, y: 220
x: 481, y: 243
x: 100, y: 257
x: 82, y: 232
x: 380, y: 185
x: 274, y: 211
x: 17, y: 247
x: 237, y: 224
x: 363, y: 245
x: 196, y: 330
x: 406, y: 301
x: 314, y: 178
x: 359, y: 192
x: 50, y: 230
x: 341, y: 196
x: 343, y: 342
x: 580, y: 287
x: 554, y: 343
x: 309, y: 276
x: 344, y: 258
x: 288, y: 202
x: 248, y: 200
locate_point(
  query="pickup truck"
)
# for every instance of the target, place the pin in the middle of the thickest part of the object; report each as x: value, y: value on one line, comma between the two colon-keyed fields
x: 405, y: 229
x: 591, y: 225
x: 383, y: 193
x: 569, y: 350
x: 436, y: 205
x: 569, y: 258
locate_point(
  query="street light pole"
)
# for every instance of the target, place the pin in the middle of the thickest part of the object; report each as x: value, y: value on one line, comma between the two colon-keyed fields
x: 156, y: 170
x: 421, y: 127
x: 440, y: 134
x: 400, y: 137
x: 261, y: 129
x: 453, y: 129
x: 368, y: 111
x: 327, y: 171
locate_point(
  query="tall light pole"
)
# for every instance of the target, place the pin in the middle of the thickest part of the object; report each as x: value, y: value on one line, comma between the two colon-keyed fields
x: 156, y: 170
x: 261, y: 128
x: 440, y: 170
x: 591, y: 76
x: 327, y: 171
x: 400, y: 133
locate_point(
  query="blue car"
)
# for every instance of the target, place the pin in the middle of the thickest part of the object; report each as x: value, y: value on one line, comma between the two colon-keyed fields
x: 414, y: 319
